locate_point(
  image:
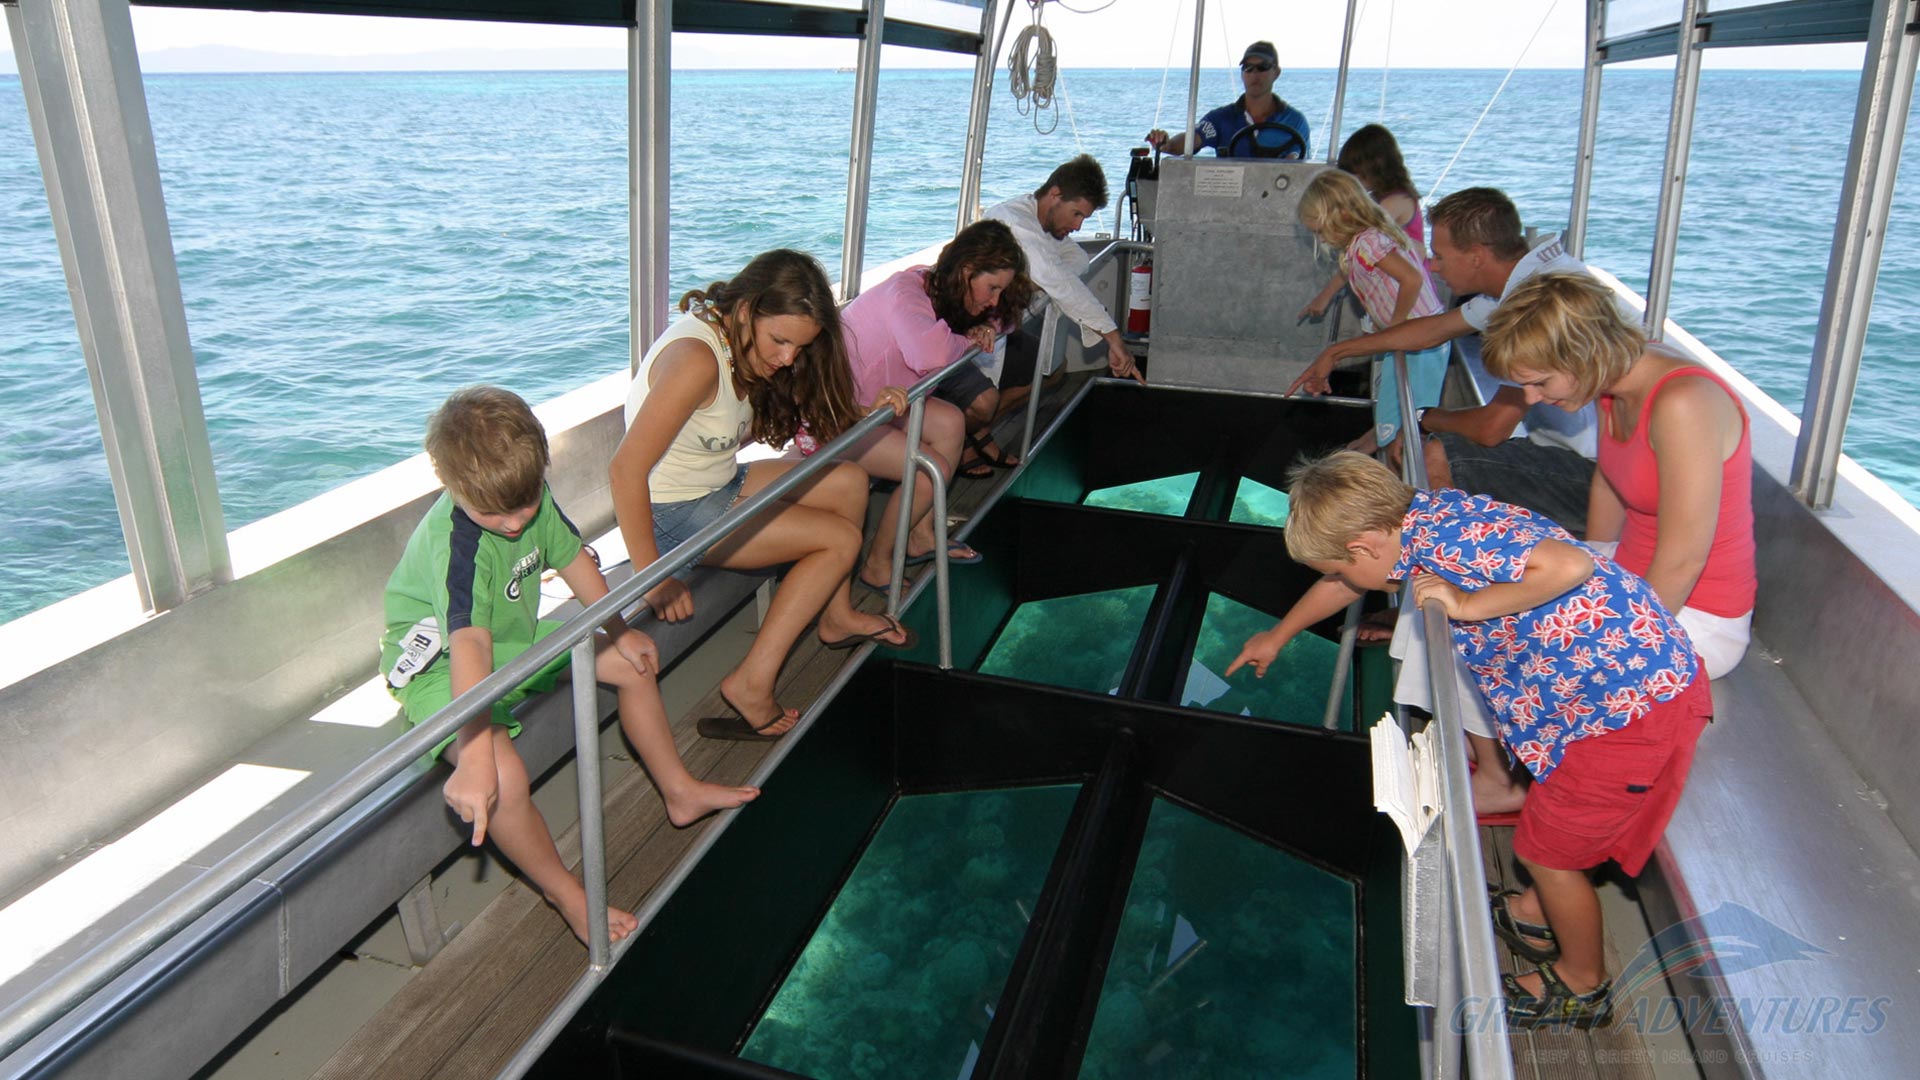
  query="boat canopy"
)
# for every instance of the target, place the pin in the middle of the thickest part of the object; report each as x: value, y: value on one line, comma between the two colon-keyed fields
x: 1638, y: 29
x: 942, y: 25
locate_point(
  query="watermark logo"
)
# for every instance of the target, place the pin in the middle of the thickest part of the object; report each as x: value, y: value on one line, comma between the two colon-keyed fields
x: 1727, y: 941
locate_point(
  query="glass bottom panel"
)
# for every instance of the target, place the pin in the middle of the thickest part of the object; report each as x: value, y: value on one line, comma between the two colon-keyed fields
x: 1254, y: 503
x: 1295, y: 688
x: 1167, y: 496
x: 902, y: 976
x: 1234, y: 960
x: 1080, y: 642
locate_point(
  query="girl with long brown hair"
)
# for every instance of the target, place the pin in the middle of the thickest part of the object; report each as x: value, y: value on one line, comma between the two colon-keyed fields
x: 756, y: 358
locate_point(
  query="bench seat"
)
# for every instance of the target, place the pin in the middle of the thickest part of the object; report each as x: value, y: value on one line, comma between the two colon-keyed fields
x: 1788, y: 866
x: 202, y: 988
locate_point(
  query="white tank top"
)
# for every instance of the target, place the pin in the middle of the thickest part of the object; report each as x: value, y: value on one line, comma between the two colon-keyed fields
x: 700, y: 460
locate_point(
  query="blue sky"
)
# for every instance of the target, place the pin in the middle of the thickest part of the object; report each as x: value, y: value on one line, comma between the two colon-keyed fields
x: 1126, y: 33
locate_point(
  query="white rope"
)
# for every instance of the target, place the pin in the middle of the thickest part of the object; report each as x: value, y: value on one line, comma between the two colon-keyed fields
x: 1435, y: 186
x: 1173, y: 37
x: 1386, y: 65
x: 1030, y: 78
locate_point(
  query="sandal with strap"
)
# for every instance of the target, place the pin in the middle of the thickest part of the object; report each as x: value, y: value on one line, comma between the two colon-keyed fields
x: 1560, y: 1005
x: 983, y: 451
x: 1515, y: 932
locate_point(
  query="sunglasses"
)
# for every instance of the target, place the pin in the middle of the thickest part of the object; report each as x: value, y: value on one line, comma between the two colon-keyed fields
x: 1262, y: 68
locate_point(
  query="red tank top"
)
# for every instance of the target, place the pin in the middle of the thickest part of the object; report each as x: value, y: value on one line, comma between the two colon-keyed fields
x: 1727, y: 583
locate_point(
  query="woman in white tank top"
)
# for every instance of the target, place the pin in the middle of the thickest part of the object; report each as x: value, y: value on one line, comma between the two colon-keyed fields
x: 754, y: 359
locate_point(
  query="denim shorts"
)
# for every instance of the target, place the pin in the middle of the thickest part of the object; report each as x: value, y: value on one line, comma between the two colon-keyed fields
x: 675, y: 522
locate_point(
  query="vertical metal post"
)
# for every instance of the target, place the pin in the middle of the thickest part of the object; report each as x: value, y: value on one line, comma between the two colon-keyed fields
x: 1673, y: 188
x: 1342, y: 666
x: 943, y: 597
x: 649, y: 172
x: 1340, y: 87
x: 976, y: 151
x: 593, y: 838
x: 1042, y: 364
x: 916, y: 418
x: 1193, y: 77
x: 866, y: 91
x: 88, y: 109
x: 1575, y: 237
x: 1866, y: 199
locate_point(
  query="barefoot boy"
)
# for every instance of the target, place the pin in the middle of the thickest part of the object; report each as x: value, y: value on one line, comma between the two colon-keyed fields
x: 465, y: 599
x: 1590, y: 681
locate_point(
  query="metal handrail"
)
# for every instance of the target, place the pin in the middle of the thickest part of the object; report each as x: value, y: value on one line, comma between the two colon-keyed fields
x: 127, y: 946
x: 1050, y: 336
x: 1462, y: 1006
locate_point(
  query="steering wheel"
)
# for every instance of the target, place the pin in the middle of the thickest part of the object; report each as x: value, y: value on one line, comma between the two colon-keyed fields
x: 1292, y: 143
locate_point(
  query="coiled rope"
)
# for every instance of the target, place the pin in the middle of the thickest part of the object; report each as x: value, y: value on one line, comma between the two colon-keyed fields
x: 1032, y: 67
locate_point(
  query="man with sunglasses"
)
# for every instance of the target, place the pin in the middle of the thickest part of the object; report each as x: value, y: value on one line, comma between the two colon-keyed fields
x: 1259, y: 124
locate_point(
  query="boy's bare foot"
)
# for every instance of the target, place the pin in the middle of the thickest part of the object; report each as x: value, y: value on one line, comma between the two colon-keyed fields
x: 1495, y: 791
x: 755, y: 705
x: 700, y: 798
x: 573, y: 908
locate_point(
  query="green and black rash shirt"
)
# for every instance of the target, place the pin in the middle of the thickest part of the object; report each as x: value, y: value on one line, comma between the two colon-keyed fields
x: 455, y: 574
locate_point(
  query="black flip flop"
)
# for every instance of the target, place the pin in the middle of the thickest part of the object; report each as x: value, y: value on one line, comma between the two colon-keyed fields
x: 878, y: 637
x: 738, y: 728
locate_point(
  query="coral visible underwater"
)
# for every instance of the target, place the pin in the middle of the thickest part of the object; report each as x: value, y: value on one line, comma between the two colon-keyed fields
x: 1234, y: 961
x: 901, y: 978
x: 1081, y: 641
x: 1295, y: 687
x: 1254, y: 503
x: 1167, y: 496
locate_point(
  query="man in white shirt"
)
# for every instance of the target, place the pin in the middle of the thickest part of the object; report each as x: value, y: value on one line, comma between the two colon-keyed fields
x: 1539, y: 457
x: 1044, y: 223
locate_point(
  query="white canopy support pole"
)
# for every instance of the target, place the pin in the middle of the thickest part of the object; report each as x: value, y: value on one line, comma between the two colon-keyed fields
x: 649, y: 173
x: 1340, y: 87
x: 1193, y: 77
x: 88, y: 108
x: 1575, y: 237
x: 977, y: 115
x: 1673, y: 188
x: 866, y: 92
x: 1866, y: 199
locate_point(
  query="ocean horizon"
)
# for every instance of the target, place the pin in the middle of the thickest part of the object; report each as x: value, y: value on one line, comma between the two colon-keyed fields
x: 354, y: 245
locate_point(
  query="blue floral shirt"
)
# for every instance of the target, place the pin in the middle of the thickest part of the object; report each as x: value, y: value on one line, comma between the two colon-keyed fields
x: 1590, y: 661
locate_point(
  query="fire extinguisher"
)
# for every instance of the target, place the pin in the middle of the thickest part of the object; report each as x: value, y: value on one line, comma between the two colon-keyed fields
x: 1140, y: 298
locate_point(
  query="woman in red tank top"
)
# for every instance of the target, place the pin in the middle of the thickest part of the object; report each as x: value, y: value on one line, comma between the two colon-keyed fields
x: 1675, y: 477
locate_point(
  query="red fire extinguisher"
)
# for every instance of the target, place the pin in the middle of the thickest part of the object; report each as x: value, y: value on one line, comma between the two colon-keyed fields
x: 1140, y: 298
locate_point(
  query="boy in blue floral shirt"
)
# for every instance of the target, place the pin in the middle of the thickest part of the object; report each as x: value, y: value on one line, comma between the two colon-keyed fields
x: 1594, y: 686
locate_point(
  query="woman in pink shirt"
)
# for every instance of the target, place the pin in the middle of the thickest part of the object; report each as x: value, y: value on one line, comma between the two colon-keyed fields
x: 1672, y: 497
x: 911, y: 325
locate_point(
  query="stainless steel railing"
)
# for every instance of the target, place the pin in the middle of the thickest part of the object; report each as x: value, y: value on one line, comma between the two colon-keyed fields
x: 1050, y: 336
x: 126, y: 947
x: 1468, y: 1012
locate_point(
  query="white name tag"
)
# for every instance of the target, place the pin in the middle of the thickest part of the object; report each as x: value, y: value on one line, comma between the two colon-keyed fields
x: 417, y: 652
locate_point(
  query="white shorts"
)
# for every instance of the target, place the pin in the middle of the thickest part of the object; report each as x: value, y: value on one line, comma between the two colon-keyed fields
x: 1720, y: 641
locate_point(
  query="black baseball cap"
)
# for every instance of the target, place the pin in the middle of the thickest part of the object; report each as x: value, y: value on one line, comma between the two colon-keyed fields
x: 1262, y: 49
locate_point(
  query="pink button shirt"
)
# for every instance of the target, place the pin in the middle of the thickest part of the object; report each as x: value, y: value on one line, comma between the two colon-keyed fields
x: 893, y: 336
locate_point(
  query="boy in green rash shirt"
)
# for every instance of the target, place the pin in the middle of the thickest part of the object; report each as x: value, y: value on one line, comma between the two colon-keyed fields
x: 465, y: 599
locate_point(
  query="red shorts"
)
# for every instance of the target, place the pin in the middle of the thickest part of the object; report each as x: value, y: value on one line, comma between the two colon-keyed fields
x: 1613, y: 794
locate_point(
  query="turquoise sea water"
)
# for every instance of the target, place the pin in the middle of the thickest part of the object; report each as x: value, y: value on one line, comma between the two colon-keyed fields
x: 1234, y: 961
x: 1082, y: 642
x: 903, y: 973
x: 354, y: 246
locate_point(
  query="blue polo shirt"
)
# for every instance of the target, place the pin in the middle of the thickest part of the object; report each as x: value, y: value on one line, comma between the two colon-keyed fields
x: 1219, y: 126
